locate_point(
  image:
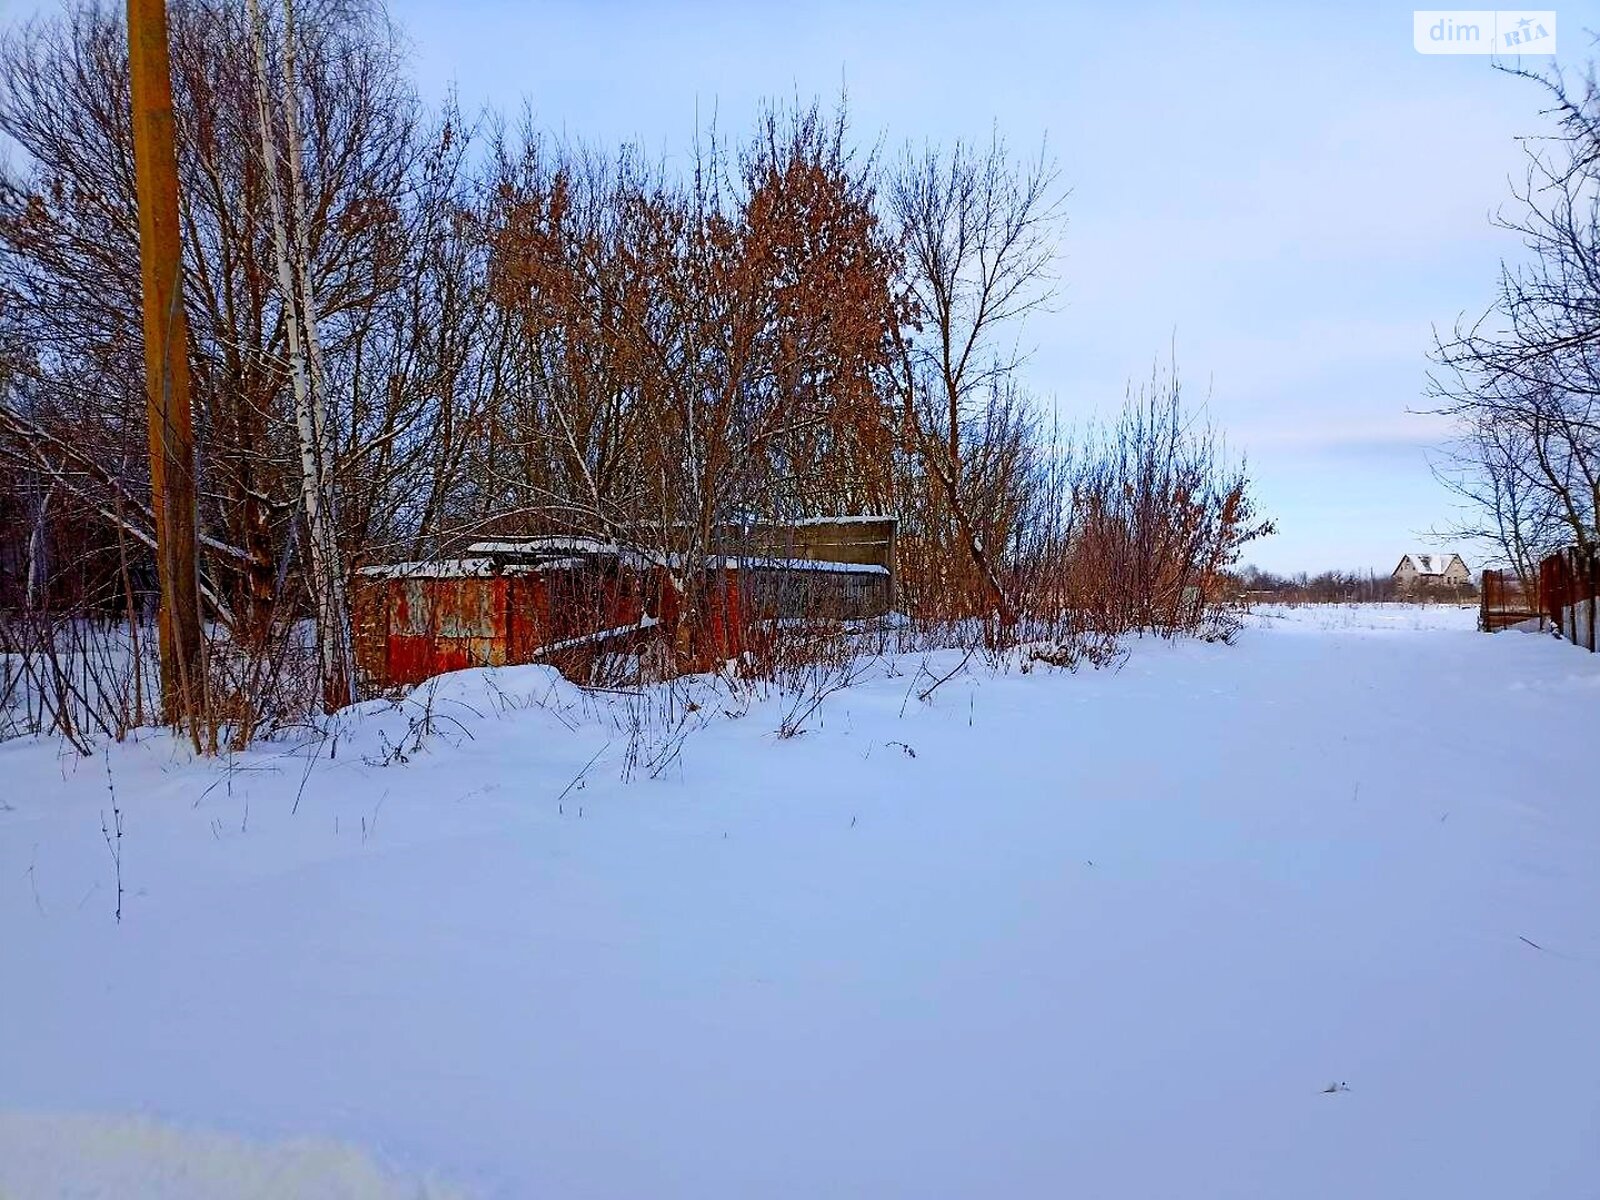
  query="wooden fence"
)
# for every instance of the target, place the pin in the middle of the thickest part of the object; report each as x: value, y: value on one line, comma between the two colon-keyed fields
x: 1565, y: 597
x: 1569, y: 594
x: 1504, y: 600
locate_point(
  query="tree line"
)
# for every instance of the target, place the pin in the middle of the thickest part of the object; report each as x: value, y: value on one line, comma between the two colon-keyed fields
x: 411, y: 328
x: 1337, y: 587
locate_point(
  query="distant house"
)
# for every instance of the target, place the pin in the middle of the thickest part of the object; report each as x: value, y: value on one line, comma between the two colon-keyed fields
x: 1424, y: 571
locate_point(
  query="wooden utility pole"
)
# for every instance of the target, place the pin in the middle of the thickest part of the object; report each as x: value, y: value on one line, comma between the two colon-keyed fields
x: 166, y: 359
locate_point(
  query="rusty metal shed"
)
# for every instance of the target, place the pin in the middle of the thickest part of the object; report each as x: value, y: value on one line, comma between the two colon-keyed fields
x: 564, y: 599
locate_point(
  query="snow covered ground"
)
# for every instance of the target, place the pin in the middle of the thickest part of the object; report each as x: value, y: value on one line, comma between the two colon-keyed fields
x: 1109, y: 934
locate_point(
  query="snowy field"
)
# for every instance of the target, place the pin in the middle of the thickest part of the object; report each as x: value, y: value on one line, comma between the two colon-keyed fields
x: 1315, y: 915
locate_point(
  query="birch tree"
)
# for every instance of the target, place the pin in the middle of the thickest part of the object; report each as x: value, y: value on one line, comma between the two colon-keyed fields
x: 308, y: 377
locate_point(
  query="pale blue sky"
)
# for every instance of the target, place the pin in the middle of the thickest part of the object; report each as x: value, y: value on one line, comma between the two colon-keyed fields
x: 1291, y: 191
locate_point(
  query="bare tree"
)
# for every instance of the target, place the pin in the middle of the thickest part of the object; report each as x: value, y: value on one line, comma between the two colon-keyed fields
x: 977, y: 231
x: 1523, y: 379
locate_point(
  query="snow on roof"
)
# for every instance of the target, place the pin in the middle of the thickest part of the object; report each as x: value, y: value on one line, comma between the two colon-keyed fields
x: 463, y: 568
x: 1431, y: 562
x: 536, y: 546
x: 546, y: 564
x: 866, y: 519
x: 756, y: 519
x: 582, y: 547
x: 545, y: 545
x: 756, y: 563
x: 444, y: 568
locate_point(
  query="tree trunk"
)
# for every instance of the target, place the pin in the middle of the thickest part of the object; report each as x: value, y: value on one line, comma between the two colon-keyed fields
x: 310, y: 408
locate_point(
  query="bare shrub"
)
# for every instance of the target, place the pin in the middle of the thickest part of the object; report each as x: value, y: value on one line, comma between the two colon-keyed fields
x: 80, y: 676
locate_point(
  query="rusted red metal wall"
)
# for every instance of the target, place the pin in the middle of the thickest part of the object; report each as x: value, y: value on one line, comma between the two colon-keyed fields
x: 415, y: 625
x: 438, y: 625
x: 1566, y: 595
x: 1569, y: 594
x: 1504, y: 601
